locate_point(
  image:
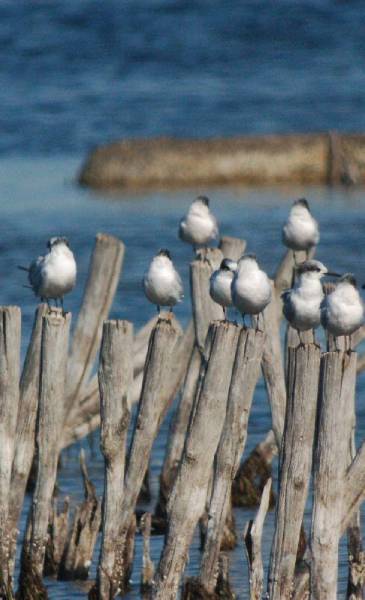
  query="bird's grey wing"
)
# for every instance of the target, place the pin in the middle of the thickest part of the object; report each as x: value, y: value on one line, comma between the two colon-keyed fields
x: 181, y: 229
x: 288, y: 310
x: 323, y: 309
x: 35, y: 273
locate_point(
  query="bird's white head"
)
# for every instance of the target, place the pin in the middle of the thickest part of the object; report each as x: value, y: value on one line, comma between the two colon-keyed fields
x: 57, y: 242
x: 200, y: 205
x: 313, y: 269
x: 349, y: 279
x: 228, y: 265
x: 300, y: 208
x: 247, y: 263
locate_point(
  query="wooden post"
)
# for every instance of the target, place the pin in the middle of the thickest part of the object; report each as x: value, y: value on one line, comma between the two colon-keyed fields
x: 231, y: 446
x: 187, y: 499
x: 252, y: 536
x: 25, y: 428
x: 338, y: 377
x: 115, y: 378
x: 10, y: 325
x: 78, y: 554
x: 104, y: 273
x: 154, y: 397
x: 54, y: 349
x: 273, y: 369
x: 204, y: 308
x: 232, y: 247
x: 295, y: 466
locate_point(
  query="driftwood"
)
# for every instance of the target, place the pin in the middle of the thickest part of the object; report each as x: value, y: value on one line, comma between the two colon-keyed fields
x: 10, y: 325
x: 252, y: 539
x: 25, y: 428
x: 330, y: 465
x: 187, y: 500
x: 232, y: 442
x: 115, y: 378
x: 295, y: 466
x: 54, y: 346
x: 78, y: 553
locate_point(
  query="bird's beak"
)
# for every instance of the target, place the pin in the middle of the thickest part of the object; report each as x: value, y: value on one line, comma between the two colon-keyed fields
x: 332, y: 274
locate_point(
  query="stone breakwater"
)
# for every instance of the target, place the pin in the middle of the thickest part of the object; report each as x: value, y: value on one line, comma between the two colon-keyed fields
x: 322, y: 158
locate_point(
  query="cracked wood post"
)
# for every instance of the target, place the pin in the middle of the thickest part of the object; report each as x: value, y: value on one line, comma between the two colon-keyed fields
x: 187, y: 500
x: 54, y: 350
x: 154, y: 397
x: 337, y: 389
x: 115, y: 379
x: 231, y: 446
x: 295, y: 466
x: 205, y: 309
x: 103, y: 278
x: 252, y: 537
x: 25, y: 428
x: 10, y: 327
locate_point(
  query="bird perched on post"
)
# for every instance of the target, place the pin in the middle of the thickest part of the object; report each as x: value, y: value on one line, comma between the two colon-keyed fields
x: 302, y: 304
x: 251, y: 288
x: 301, y: 231
x: 199, y: 226
x: 220, y: 284
x: 343, y: 309
x: 53, y: 275
x: 162, y: 283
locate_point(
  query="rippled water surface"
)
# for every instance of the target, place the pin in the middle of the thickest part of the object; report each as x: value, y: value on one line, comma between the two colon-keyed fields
x: 39, y: 199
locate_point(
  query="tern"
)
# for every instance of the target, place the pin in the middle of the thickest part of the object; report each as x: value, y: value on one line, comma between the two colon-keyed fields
x: 302, y: 304
x: 199, y: 226
x: 220, y: 284
x: 343, y: 310
x: 251, y: 288
x: 301, y: 231
x: 162, y: 283
x: 53, y: 275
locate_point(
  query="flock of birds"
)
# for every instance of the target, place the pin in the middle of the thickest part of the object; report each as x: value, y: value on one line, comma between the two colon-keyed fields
x: 245, y: 286
x: 241, y: 284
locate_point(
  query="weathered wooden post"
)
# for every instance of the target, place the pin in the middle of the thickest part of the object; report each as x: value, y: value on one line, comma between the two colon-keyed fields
x: 115, y: 379
x: 232, y: 247
x: 205, y: 309
x: 104, y: 273
x: 295, y: 466
x: 337, y: 389
x: 252, y: 536
x: 154, y: 397
x: 148, y: 567
x: 25, y: 428
x: 10, y: 325
x: 232, y: 442
x: 187, y: 500
x: 54, y: 349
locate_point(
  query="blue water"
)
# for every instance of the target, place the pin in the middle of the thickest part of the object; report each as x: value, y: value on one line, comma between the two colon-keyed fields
x: 39, y: 199
x: 81, y: 72
x: 74, y: 74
